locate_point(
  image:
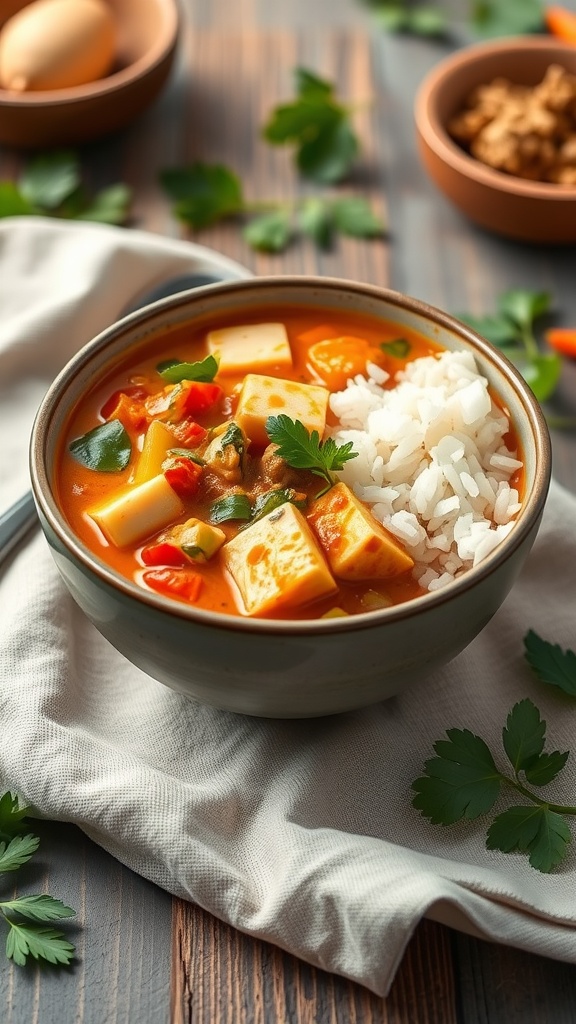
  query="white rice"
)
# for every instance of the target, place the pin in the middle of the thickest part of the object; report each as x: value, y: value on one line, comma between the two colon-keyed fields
x: 432, y: 463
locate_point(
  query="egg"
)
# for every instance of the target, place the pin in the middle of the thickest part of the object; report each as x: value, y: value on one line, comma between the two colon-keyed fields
x: 55, y: 44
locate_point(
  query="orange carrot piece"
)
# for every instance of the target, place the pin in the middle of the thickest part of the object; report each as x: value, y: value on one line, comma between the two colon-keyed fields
x: 562, y: 339
x: 561, y: 23
x: 335, y: 360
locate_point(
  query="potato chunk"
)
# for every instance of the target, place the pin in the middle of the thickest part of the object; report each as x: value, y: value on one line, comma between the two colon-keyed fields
x: 253, y: 347
x: 262, y: 397
x: 276, y: 563
x: 138, y: 512
x: 356, y: 545
x: 157, y: 443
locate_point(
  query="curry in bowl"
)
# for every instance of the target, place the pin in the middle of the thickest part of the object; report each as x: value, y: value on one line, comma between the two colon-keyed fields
x: 293, y: 463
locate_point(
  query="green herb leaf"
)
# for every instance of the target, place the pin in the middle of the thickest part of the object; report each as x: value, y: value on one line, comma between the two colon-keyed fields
x: 551, y: 664
x: 174, y: 371
x: 15, y: 853
x: 110, y: 206
x: 522, y: 306
x: 37, y: 908
x: 499, y: 330
x: 398, y: 347
x: 523, y: 735
x: 202, y: 194
x: 426, y: 21
x: 392, y: 17
x: 233, y: 506
x: 12, y: 202
x: 493, y: 18
x: 535, y: 830
x: 461, y: 782
x: 185, y: 453
x: 319, y: 128
x: 316, y: 220
x: 26, y: 940
x: 353, y: 216
x: 545, y: 768
x: 267, y: 502
x: 304, y: 450
x: 270, y: 232
x: 105, y: 449
x: 11, y: 816
x: 542, y: 373
x: 49, y: 179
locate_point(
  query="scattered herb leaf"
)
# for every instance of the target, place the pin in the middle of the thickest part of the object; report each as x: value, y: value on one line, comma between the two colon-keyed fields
x: 551, y: 664
x: 203, y: 193
x: 267, y: 502
x: 304, y: 450
x: 515, y: 17
x: 105, y: 449
x: 414, y: 18
x: 24, y: 914
x: 270, y: 232
x: 174, y: 371
x: 398, y: 347
x: 463, y: 781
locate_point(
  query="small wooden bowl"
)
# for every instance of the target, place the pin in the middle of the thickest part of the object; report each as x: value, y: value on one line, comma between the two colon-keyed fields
x: 528, y: 211
x: 147, y: 38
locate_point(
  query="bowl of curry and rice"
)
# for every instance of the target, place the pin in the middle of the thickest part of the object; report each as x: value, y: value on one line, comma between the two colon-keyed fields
x: 287, y: 496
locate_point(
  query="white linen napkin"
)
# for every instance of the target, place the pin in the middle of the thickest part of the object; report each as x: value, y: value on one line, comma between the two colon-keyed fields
x: 298, y: 832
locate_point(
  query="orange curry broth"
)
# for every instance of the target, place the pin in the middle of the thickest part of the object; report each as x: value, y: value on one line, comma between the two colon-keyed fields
x: 80, y: 489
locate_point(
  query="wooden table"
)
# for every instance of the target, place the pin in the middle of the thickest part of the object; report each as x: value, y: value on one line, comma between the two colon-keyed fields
x: 144, y: 958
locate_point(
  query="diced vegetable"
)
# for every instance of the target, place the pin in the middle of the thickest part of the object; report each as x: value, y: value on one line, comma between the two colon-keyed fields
x: 562, y: 339
x: 188, y: 432
x: 198, y: 540
x: 134, y: 392
x: 183, y: 475
x: 163, y: 553
x: 262, y: 397
x: 356, y: 546
x: 157, y: 443
x: 336, y: 360
x: 225, y: 453
x: 277, y: 564
x: 179, y: 401
x: 138, y: 512
x: 561, y: 22
x: 175, y: 583
x: 251, y: 347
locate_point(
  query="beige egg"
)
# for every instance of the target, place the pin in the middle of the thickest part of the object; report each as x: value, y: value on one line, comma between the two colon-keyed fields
x: 55, y: 44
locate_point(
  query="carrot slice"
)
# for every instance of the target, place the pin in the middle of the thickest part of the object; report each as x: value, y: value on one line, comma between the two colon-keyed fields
x: 561, y: 23
x: 335, y: 360
x: 562, y: 339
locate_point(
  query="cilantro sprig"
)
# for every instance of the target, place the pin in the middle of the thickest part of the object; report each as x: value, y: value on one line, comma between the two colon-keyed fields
x: 303, y: 449
x: 27, y: 917
x: 463, y: 780
x: 51, y: 185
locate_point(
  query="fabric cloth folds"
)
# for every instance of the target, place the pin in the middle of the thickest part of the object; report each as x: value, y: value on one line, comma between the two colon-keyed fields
x: 299, y: 832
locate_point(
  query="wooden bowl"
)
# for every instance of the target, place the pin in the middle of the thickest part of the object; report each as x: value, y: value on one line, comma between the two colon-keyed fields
x: 530, y: 211
x: 147, y: 38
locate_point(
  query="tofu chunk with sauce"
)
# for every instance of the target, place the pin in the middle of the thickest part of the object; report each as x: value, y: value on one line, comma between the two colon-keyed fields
x: 277, y: 564
x: 253, y: 347
x: 138, y: 512
x: 263, y: 396
x: 356, y: 545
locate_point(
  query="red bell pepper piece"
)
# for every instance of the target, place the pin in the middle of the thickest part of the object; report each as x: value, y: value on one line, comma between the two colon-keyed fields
x: 188, y: 432
x: 136, y: 393
x: 183, y: 475
x: 200, y: 396
x: 164, y: 553
x: 175, y: 582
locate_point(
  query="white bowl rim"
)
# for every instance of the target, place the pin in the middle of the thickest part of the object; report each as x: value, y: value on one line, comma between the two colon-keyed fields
x: 531, y: 512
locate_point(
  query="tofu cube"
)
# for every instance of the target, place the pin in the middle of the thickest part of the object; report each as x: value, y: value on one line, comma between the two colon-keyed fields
x: 356, y: 545
x: 253, y: 347
x: 262, y: 397
x: 277, y: 564
x: 138, y: 512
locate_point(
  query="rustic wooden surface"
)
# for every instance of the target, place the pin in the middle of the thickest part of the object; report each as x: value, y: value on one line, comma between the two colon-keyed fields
x: 144, y: 958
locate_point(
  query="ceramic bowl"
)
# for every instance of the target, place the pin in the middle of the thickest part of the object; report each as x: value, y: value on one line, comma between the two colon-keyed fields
x: 528, y: 211
x: 147, y: 33
x: 287, y: 669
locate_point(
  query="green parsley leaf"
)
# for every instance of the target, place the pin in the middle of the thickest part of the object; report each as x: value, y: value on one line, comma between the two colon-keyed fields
x: 233, y: 506
x: 545, y: 768
x: 492, y: 18
x: 15, y: 853
x: 499, y: 330
x: 398, y: 348
x: 202, y: 194
x: 110, y: 206
x: 523, y: 735
x: 49, y: 179
x: 105, y: 449
x: 316, y: 219
x: 11, y: 816
x: 12, y: 202
x: 426, y: 21
x: 392, y: 17
x: 37, y: 908
x: 270, y: 232
x: 304, y: 450
x: 353, y: 216
x: 551, y: 664
x: 542, y: 373
x: 174, y: 371
x: 26, y: 940
x: 522, y: 306
x: 318, y: 127
x: 461, y: 782
x: 536, y: 830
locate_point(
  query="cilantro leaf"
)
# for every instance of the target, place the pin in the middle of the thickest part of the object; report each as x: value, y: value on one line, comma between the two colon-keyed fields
x: 49, y: 179
x: 545, y: 768
x: 316, y: 219
x: 110, y: 206
x: 551, y: 664
x: 37, y: 908
x: 319, y: 128
x: 11, y: 816
x: 522, y: 306
x: 398, y: 348
x: 542, y: 373
x: 105, y: 449
x: 493, y: 18
x: 523, y: 735
x: 499, y: 330
x: 202, y: 193
x: 461, y: 782
x: 270, y: 232
x: 353, y: 216
x: 536, y: 830
x: 304, y: 450
x: 175, y: 371
x: 41, y: 943
x: 15, y: 853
